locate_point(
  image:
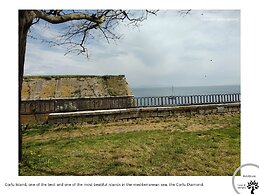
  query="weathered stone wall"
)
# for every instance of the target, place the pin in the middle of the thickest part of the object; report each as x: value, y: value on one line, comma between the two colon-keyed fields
x: 42, y: 95
x: 36, y: 107
x: 53, y: 87
x: 85, y: 117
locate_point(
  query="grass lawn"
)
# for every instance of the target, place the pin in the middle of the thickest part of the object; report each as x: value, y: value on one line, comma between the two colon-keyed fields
x: 198, y: 145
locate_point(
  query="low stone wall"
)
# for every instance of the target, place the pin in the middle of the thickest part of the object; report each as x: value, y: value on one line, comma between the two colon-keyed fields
x: 36, y: 111
x: 92, y: 117
x: 76, y: 104
x: 34, y: 119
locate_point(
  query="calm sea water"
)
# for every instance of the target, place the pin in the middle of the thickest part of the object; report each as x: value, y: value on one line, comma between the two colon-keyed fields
x: 184, y: 91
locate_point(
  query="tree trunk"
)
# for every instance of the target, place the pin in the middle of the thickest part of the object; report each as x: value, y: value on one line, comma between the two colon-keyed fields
x: 252, y: 191
x: 25, y: 21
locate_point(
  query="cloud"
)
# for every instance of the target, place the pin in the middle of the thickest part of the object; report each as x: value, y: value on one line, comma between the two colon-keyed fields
x: 44, y: 31
x: 164, y: 49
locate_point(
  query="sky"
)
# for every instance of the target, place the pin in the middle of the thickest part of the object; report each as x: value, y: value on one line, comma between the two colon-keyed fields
x: 198, y: 49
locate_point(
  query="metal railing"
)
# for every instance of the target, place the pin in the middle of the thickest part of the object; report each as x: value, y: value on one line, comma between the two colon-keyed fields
x: 187, y: 100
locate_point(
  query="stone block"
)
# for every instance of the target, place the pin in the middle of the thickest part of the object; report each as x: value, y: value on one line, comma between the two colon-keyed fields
x: 194, y: 112
x: 201, y: 111
x: 163, y: 113
x: 208, y: 111
x: 221, y: 109
x: 214, y: 110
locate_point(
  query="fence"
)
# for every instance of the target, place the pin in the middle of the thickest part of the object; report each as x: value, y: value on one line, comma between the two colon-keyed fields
x: 186, y: 100
x: 117, y: 102
x: 38, y: 111
x: 75, y: 104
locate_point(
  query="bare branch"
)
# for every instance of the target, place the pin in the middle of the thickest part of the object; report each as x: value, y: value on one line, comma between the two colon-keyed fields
x: 57, y: 19
x: 184, y: 12
x: 154, y: 12
x: 106, y: 37
x: 102, y: 23
x: 36, y: 21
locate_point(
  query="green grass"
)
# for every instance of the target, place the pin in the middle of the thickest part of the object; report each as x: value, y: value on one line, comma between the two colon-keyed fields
x: 199, y: 145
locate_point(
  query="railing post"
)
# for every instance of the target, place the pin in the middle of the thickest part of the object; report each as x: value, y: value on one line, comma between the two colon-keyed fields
x: 162, y: 101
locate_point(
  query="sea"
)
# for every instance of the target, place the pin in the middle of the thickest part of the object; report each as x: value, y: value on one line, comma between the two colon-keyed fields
x: 185, y: 91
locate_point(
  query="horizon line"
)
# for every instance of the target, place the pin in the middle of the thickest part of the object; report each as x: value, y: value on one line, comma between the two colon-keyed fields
x: 141, y: 87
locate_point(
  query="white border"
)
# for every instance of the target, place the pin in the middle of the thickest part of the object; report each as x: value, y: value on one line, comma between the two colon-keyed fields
x: 9, y: 97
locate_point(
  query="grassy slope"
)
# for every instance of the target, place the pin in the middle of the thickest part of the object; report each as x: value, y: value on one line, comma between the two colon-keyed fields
x: 200, y: 145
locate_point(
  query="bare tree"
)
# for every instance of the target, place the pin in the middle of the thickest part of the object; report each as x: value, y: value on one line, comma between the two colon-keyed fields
x: 253, y: 185
x: 81, y: 25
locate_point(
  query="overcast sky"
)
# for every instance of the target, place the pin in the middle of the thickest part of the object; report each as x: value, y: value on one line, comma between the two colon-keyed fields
x: 199, y: 49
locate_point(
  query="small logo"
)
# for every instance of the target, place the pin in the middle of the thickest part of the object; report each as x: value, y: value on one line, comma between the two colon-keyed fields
x: 245, y: 179
x: 252, y: 185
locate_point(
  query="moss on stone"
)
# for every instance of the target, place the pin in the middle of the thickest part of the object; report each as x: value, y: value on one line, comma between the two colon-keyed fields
x: 66, y: 86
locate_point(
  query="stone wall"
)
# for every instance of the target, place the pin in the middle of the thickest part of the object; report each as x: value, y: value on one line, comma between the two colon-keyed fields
x: 42, y: 95
x: 36, y: 111
x: 72, y: 86
x: 92, y: 117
